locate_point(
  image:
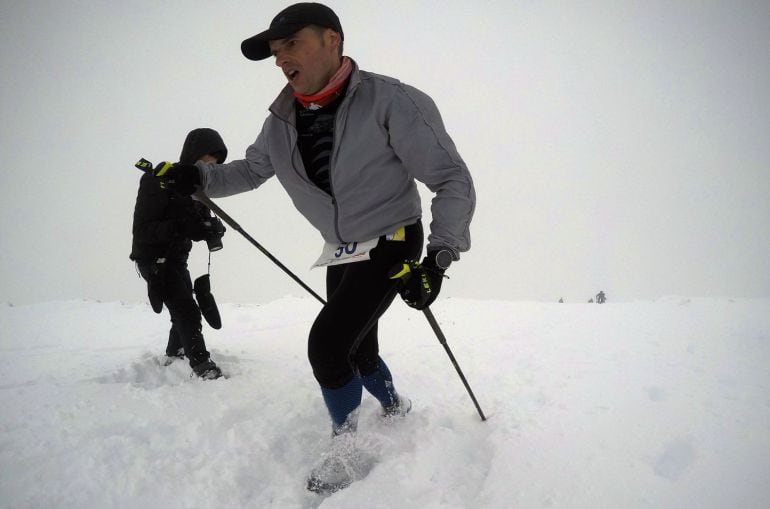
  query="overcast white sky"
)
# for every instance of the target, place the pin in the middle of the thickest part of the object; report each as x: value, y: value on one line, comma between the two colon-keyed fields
x: 615, y: 145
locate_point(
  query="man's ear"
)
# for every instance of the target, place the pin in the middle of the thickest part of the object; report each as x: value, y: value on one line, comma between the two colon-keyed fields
x: 332, y: 38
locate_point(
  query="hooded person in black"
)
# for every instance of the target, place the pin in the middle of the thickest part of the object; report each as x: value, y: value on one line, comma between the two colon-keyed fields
x: 165, y: 225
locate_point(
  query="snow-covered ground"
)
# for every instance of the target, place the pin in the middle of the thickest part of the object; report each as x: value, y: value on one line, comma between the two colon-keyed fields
x: 662, y: 404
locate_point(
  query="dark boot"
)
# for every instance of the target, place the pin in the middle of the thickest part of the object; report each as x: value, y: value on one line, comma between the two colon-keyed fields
x: 207, y: 370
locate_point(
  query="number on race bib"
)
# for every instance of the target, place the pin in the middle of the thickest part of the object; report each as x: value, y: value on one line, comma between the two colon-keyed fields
x: 347, y: 249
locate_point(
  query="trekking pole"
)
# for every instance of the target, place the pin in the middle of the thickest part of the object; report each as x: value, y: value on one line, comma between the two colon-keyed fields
x: 442, y: 339
x: 401, y: 273
x: 201, y: 197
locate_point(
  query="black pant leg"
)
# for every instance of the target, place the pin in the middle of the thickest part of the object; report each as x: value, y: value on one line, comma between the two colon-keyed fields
x: 174, y: 342
x: 340, y: 343
x: 185, y: 315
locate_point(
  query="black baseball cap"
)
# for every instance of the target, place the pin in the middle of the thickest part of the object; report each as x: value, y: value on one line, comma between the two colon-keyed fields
x: 289, y: 21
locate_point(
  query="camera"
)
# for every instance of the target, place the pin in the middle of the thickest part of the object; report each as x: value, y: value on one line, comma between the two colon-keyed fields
x: 214, y: 232
x: 213, y: 229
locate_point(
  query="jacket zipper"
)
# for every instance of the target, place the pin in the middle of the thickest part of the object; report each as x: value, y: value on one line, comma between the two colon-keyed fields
x: 335, y: 149
x: 331, y: 181
x: 295, y: 147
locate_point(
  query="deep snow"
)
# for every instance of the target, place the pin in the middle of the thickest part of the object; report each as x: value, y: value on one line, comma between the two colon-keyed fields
x: 622, y: 405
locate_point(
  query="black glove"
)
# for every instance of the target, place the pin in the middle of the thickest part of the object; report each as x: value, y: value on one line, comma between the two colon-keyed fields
x: 181, y: 178
x: 206, y: 302
x: 193, y: 228
x: 154, y: 274
x: 420, y: 282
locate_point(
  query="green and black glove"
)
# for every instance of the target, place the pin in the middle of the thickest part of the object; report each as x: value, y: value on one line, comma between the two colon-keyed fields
x: 421, y: 282
x: 181, y: 178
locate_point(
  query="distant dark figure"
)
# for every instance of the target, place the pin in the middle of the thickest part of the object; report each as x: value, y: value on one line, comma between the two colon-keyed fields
x: 590, y: 301
x: 561, y: 301
x: 601, y: 298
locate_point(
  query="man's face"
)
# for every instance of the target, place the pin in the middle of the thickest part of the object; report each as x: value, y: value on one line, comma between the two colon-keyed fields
x: 308, y: 59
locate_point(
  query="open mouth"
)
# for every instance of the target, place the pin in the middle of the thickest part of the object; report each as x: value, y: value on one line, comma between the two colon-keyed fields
x: 292, y: 74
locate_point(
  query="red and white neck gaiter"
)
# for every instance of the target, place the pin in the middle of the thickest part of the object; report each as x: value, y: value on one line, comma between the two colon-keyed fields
x: 330, y: 91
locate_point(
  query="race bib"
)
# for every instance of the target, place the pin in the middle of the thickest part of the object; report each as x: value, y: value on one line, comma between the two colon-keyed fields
x: 337, y: 254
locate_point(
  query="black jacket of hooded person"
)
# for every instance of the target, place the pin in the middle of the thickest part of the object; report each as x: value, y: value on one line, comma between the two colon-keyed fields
x: 160, y: 215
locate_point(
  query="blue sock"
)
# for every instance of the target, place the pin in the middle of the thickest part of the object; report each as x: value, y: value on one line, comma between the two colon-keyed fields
x: 341, y: 402
x: 380, y: 385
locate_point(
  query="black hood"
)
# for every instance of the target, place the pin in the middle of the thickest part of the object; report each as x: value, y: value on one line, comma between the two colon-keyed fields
x: 200, y: 142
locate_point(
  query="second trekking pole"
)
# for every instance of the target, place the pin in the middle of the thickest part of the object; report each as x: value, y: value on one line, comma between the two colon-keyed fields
x: 402, y: 273
x: 442, y: 339
x: 201, y: 197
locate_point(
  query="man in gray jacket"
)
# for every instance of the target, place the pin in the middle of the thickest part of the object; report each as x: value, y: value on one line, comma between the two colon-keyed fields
x: 348, y: 145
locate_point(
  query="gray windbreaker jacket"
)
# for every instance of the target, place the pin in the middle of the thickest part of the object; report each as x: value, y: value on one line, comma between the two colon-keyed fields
x: 386, y: 135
